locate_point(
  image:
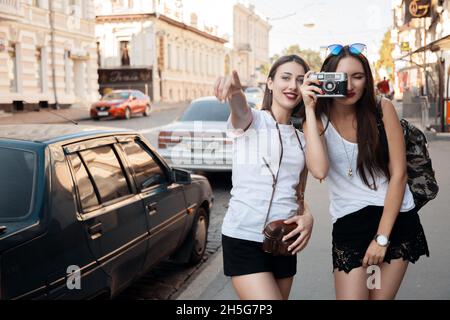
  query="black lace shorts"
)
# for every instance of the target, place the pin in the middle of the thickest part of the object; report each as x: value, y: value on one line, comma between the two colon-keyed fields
x: 241, y: 257
x: 353, y: 233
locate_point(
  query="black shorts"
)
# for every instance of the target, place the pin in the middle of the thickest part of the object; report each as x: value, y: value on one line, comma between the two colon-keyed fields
x: 241, y: 257
x: 353, y: 233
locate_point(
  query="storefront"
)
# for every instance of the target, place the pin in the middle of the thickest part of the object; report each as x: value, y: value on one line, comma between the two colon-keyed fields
x: 126, y: 78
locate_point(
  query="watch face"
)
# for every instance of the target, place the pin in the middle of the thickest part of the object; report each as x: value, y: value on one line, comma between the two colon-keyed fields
x: 382, y: 240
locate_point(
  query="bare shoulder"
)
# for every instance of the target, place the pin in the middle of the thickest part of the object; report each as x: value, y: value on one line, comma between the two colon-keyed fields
x: 389, y: 112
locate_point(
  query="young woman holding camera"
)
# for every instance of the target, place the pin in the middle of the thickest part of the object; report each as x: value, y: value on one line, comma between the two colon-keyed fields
x: 375, y: 222
x: 268, y: 158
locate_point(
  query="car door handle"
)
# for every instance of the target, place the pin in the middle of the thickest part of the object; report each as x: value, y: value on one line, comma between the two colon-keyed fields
x: 96, y: 231
x: 151, y: 208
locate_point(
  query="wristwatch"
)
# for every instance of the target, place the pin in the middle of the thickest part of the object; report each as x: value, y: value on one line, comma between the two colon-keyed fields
x: 381, y: 240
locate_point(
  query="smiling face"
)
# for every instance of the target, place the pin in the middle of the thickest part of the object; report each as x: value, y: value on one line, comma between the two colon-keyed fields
x: 356, y: 79
x: 285, y: 85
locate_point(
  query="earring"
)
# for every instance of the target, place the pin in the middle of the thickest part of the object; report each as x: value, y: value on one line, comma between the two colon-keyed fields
x: 270, y: 91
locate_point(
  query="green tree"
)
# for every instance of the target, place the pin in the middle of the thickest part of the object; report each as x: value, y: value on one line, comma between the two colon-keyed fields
x: 386, y: 61
x: 311, y: 57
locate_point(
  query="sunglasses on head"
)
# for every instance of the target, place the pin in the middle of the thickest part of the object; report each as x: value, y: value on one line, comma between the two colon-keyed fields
x: 355, y: 48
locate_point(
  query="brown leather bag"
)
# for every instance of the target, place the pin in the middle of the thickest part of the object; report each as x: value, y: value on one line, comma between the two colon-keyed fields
x: 276, y: 230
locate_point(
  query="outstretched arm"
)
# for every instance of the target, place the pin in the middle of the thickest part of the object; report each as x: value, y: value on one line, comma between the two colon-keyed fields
x: 230, y: 88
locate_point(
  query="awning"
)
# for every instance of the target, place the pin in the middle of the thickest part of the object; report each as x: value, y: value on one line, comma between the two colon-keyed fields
x: 437, y: 45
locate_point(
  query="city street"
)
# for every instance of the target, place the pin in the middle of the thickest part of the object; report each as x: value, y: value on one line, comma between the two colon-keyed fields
x: 429, y: 278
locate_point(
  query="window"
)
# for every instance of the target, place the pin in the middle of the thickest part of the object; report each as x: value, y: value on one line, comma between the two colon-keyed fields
x: 67, y: 71
x: 169, y: 56
x: 107, y: 173
x: 16, y: 183
x: 12, y: 67
x: 124, y: 53
x: 146, y: 171
x: 186, y: 60
x: 86, y: 190
x: 99, y: 55
x: 178, y: 58
x: 39, y: 78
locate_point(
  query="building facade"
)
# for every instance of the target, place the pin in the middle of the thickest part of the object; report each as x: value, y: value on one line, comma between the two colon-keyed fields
x: 141, y: 47
x: 421, y: 35
x: 250, y: 44
x: 47, y: 53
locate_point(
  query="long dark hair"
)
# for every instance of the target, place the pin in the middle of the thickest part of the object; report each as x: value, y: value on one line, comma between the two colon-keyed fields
x: 267, y: 101
x: 370, y: 157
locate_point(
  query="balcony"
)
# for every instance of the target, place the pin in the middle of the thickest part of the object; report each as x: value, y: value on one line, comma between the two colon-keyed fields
x: 11, y: 9
x: 244, y: 47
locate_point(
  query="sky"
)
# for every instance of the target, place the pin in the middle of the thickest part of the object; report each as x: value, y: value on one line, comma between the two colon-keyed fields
x: 334, y: 21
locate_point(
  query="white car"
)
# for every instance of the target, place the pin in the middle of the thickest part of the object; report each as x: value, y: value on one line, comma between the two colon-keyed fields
x: 198, y: 140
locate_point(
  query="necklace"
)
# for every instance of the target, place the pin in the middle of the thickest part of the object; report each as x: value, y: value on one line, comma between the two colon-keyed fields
x: 350, y: 170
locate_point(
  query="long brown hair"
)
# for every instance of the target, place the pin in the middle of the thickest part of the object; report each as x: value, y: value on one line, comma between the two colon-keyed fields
x: 370, y: 160
x: 267, y: 101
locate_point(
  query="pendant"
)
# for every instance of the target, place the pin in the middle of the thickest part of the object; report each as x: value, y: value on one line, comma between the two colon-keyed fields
x: 350, y: 172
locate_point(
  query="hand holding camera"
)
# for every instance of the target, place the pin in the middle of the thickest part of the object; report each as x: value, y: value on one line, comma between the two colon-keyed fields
x: 310, y: 90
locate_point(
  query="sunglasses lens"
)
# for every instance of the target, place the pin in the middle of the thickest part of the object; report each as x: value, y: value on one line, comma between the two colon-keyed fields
x: 357, y: 48
x: 335, y: 49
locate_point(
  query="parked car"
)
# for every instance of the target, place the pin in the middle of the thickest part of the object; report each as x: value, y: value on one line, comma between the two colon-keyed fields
x: 198, y: 140
x: 121, y: 104
x: 100, y: 201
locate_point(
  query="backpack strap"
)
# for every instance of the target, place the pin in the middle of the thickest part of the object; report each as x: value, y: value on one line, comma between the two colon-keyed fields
x: 382, y: 130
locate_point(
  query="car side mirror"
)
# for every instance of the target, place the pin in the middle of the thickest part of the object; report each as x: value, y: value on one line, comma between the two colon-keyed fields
x: 181, y: 176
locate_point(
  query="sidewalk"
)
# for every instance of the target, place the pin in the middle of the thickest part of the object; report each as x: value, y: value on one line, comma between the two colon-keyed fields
x: 431, y: 135
x: 76, y: 113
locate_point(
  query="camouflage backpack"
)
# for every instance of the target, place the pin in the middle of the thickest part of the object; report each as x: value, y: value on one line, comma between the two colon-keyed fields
x: 421, y: 179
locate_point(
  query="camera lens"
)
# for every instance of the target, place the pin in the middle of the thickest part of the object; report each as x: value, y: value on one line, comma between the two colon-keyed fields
x: 329, y: 86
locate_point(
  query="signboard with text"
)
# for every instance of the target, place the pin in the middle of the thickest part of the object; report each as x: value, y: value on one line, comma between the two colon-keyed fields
x: 417, y: 9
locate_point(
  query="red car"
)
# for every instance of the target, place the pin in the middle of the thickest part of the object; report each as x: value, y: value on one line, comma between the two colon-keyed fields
x: 121, y: 104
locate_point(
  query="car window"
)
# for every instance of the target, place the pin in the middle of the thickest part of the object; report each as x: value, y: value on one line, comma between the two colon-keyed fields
x: 86, y: 190
x: 116, y: 96
x: 146, y: 170
x: 17, y: 174
x: 139, y: 94
x: 207, y: 111
x: 107, y: 173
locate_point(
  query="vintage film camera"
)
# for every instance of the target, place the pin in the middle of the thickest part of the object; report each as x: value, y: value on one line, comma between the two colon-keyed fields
x: 333, y: 84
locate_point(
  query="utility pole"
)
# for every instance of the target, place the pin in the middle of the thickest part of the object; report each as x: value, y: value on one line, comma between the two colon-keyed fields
x: 52, y: 36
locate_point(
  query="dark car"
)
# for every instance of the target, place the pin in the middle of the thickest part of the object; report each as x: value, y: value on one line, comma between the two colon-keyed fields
x: 84, y: 211
x: 121, y: 104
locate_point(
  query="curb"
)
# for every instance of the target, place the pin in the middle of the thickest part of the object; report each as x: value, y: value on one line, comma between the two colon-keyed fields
x: 192, y: 290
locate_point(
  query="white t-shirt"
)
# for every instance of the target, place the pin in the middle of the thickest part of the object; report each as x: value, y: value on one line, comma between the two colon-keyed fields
x: 252, y: 180
x: 350, y: 194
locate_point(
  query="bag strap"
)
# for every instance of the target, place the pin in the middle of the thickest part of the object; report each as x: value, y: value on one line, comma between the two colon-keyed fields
x: 302, y: 182
x: 382, y: 130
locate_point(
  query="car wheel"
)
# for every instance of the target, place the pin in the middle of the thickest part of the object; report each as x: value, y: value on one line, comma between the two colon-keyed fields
x: 146, y: 111
x: 199, y: 236
x: 127, y: 113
